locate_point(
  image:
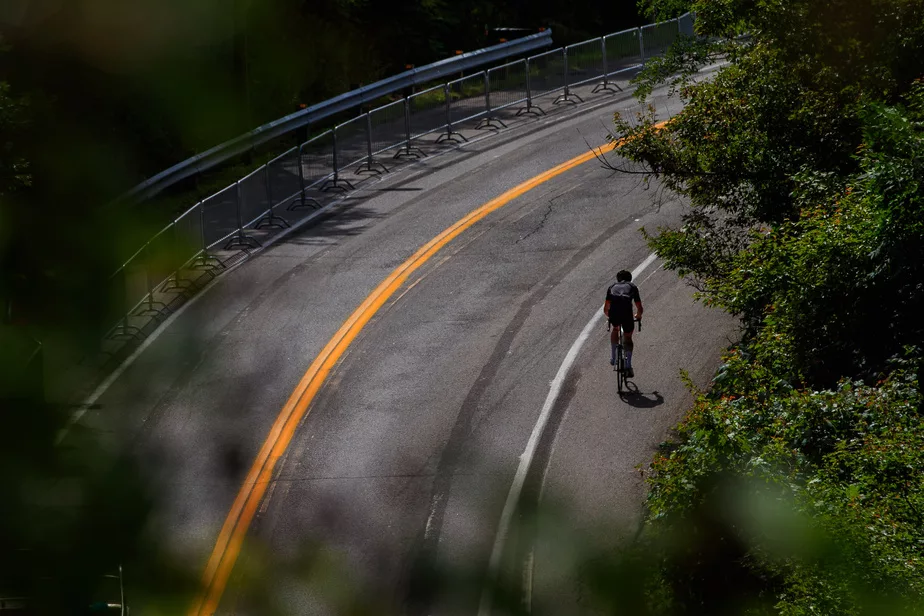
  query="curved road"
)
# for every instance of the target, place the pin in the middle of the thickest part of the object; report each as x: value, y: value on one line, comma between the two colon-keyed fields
x: 401, y: 469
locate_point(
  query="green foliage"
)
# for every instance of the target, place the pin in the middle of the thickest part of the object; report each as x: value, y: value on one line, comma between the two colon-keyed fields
x: 14, y: 168
x: 796, y: 482
x: 659, y: 10
x: 820, y: 490
x: 181, y: 77
x: 796, y: 160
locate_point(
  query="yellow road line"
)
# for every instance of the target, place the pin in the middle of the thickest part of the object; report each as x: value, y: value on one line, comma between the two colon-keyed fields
x: 231, y: 538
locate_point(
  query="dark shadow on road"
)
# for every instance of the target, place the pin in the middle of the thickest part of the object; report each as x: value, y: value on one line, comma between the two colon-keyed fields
x: 342, y: 223
x: 640, y: 399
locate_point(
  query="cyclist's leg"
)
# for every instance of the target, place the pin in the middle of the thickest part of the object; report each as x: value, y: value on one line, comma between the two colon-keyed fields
x: 627, y: 328
x: 614, y: 342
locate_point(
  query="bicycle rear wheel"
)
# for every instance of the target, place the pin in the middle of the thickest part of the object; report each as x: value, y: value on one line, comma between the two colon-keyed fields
x: 620, y: 370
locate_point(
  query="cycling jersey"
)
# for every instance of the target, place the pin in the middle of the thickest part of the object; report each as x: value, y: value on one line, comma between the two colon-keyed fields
x: 621, y: 296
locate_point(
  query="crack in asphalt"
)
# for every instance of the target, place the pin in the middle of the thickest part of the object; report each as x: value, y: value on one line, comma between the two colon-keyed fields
x: 541, y: 224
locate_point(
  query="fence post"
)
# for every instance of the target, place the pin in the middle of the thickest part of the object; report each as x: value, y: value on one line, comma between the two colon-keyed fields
x: 641, y: 43
x: 369, y: 139
x: 301, y: 176
x: 205, y: 247
x: 407, y: 124
x: 334, y: 159
x: 370, y: 166
x: 240, y: 239
x: 237, y: 209
x: 605, y: 85
x: 153, y: 309
x: 489, y: 121
x: 606, y: 67
x: 567, y: 95
x: 336, y: 182
x: 408, y: 150
x: 176, y: 281
x: 303, y: 201
x: 447, y: 95
x: 529, y: 87
x: 449, y: 135
x: 270, y: 219
x: 204, y: 260
x: 530, y: 108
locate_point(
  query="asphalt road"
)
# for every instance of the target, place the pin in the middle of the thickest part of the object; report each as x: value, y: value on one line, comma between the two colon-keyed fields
x: 400, y: 470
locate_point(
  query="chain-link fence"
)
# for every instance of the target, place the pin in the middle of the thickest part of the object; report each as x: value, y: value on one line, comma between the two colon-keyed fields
x: 547, y: 73
x: 283, y: 182
x: 219, y: 216
x: 388, y: 128
x: 253, y: 199
x: 467, y: 101
x: 623, y: 50
x: 507, y: 85
x: 226, y: 219
x: 351, y: 142
x: 585, y: 62
x: 427, y: 111
x: 658, y: 37
x: 316, y: 161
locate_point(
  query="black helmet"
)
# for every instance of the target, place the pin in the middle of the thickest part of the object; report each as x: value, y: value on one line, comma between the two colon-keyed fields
x: 624, y: 276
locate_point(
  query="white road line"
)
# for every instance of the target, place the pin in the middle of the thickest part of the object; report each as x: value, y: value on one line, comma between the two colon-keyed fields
x: 516, y: 488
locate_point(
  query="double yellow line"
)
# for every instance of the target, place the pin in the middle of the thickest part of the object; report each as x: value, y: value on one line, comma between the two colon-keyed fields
x: 231, y: 538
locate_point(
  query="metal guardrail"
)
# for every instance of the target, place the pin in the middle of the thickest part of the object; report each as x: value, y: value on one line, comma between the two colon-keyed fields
x: 186, y: 246
x: 338, y: 104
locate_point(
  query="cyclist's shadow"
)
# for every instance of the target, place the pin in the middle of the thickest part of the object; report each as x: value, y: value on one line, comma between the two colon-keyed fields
x: 639, y: 399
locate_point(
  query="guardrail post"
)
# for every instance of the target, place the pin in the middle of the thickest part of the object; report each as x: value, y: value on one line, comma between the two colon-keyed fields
x: 240, y: 239
x: 565, y: 97
x: 270, y: 219
x: 489, y: 121
x: 408, y: 150
x: 530, y: 108
x: 605, y: 86
x: 449, y: 135
x: 370, y: 166
x: 336, y: 182
x: 303, y: 200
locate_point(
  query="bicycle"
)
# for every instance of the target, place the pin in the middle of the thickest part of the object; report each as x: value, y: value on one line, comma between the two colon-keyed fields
x: 622, y: 379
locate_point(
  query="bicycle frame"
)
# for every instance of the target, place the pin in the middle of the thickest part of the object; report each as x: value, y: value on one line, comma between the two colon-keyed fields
x: 622, y: 379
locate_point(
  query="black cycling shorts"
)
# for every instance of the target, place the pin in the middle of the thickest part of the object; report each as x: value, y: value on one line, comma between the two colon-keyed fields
x: 626, y: 322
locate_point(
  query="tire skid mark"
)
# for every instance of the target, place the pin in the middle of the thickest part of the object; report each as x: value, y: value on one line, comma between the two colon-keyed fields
x: 419, y: 595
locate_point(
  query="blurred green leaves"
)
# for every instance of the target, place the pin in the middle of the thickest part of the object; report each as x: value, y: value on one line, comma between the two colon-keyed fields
x: 14, y: 173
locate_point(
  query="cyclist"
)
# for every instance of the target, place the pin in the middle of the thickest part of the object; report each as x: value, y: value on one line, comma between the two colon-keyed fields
x: 618, y: 309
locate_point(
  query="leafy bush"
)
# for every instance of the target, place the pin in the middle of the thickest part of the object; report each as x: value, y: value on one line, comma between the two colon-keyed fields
x: 796, y: 484
x: 815, y: 495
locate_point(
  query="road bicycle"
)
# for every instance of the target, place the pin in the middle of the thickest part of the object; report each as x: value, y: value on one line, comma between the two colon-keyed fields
x: 622, y: 378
